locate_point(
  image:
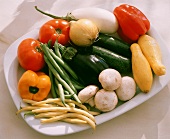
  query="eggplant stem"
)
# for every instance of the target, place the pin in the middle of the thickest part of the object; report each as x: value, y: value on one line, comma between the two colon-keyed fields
x: 69, y: 17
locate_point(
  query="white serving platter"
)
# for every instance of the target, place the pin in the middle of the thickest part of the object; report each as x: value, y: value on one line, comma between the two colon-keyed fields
x: 13, y: 71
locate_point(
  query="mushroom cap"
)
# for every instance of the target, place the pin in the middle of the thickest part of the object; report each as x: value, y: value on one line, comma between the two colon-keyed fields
x: 127, y: 88
x: 105, y: 100
x: 110, y: 79
x: 87, y: 93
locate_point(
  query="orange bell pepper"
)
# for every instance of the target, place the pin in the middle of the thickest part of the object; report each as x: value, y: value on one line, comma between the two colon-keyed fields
x: 132, y: 22
x: 34, y: 85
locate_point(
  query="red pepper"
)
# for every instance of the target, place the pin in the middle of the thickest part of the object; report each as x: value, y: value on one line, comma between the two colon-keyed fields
x: 55, y: 29
x: 132, y: 22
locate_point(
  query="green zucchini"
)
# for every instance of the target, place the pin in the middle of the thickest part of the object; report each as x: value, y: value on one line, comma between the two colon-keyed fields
x: 113, y: 44
x: 120, y: 63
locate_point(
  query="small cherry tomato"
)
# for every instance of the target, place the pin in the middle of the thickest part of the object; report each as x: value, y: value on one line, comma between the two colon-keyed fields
x: 55, y: 29
x: 30, y: 55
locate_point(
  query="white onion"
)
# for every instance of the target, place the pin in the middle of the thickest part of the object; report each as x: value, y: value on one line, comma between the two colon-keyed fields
x: 83, y: 32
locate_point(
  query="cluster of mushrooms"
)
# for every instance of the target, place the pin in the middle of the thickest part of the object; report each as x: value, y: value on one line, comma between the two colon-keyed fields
x: 114, y: 88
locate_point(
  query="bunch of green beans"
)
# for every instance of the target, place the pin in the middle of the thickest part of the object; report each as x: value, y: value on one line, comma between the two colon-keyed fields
x: 63, y: 79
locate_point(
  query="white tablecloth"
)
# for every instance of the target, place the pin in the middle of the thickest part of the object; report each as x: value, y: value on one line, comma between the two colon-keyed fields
x: 150, y: 120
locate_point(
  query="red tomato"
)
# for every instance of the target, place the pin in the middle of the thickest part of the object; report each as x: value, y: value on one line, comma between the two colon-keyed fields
x: 55, y: 29
x: 30, y: 55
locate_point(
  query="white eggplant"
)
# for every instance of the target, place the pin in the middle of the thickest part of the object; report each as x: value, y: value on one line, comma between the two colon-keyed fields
x: 104, y: 20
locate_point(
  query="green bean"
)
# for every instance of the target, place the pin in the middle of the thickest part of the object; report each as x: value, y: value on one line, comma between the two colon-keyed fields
x: 53, y: 92
x: 64, y: 64
x: 61, y: 91
x: 56, y: 49
x: 28, y: 113
x: 68, y: 96
x: 77, y: 85
x: 56, y: 89
x: 61, y: 71
x: 68, y: 80
x: 55, y: 73
x: 50, y: 58
x: 49, y: 44
x: 66, y: 92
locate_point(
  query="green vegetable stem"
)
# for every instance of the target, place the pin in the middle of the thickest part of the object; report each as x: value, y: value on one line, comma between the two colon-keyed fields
x: 62, y: 81
x: 68, y: 17
x: 61, y: 75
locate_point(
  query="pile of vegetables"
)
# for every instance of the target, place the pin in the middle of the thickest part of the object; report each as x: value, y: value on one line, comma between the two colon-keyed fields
x: 77, y: 68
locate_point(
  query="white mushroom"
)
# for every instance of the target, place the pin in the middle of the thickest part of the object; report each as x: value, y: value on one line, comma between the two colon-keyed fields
x: 110, y: 79
x: 91, y: 101
x: 87, y: 94
x: 105, y: 100
x: 127, y: 89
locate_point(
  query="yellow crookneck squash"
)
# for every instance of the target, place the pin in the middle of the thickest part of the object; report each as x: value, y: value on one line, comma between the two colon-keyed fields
x: 141, y: 69
x: 152, y: 52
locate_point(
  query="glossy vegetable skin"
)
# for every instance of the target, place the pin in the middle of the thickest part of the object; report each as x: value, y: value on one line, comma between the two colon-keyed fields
x: 55, y: 29
x: 104, y: 19
x: 141, y: 69
x: 113, y: 44
x: 132, y: 22
x: 34, y: 85
x: 87, y: 66
x: 30, y: 55
x: 115, y: 61
x: 83, y: 32
x: 152, y: 52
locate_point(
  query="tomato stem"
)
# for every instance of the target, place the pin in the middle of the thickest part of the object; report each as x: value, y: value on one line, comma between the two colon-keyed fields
x: 59, y: 31
x: 38, y: 49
